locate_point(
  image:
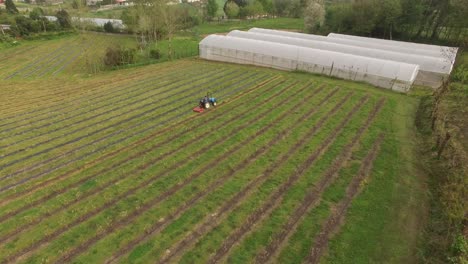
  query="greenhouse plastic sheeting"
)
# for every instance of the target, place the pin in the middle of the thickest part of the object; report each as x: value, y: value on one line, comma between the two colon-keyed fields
x: 425, y: 63
x: 432, y: 70
x: 451, y: 52
x: 448, y: 54
x: 382, y: 73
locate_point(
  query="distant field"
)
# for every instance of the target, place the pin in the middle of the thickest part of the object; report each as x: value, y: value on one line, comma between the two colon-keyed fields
x: 289, y: 167
x: 79, y: 54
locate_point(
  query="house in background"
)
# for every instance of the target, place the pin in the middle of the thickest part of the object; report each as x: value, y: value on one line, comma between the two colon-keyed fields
x: 2, y: 2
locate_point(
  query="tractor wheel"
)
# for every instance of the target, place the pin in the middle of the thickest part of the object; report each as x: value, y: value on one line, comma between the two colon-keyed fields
x: 207, y: 105
x: 214, y: 103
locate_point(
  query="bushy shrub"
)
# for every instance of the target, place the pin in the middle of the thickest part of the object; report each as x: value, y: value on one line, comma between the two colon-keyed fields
x: 109, y: 27
x: 155, y: 54
x: 231, y: 9
x: 460, y: 74
x: 117, y: 56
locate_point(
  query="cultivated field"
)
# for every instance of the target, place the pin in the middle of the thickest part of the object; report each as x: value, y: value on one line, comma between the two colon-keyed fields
x: 289, y: 167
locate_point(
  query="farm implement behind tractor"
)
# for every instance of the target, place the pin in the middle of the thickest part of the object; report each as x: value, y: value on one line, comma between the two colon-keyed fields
x: 205, y: 103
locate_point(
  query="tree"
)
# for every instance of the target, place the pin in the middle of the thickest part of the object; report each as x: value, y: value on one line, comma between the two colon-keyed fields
x: 108, y: 27
x: 10, y: 7
x: 314, y: 15
x: 390, y: 12
x: 231, y: 9
x: 211, y: 8
x: 254, y: 8
x: 267, y: 6
x: 63, y: 18
x: 36, y: 14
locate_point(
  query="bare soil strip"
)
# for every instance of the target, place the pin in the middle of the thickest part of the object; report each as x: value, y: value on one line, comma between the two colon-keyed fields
x: 313, y: 196
x: 333, y: 223
x: 172, y: 217
x: 128, y: 159
x: 46, y: 58
x: 276, y: 197
x: 101, y: 148
x: 166, y: 89
x: 146, y: 206
x: 220, y: 180
x: 61, y: 96
x: 136, y: 91
x: 104, y: 128
x: 126, y: 148
x: 213, y: 220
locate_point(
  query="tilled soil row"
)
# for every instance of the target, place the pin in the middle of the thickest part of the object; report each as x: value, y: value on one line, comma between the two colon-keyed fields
x: 99, y: 148
x: 121, y: 121
x: 313, y: 196
x: 112, y: 154
x: 44, y: 59
x: 146, y: 206
x: 277, y: 196
x: 163, y: 86
x: 120, y: 163
x: 213, y: 220
x: 52, y: 62
x: 333, y: 223
x: 179, y: 186
x: 220, y: 180
x: 76, y: 129
x: 64, y: 105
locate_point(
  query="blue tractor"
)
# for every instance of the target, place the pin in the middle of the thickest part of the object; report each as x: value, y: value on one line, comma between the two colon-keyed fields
x: 205, y: 103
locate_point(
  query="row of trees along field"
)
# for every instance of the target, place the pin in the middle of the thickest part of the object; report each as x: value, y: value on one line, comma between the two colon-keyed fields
x: 441, y: 21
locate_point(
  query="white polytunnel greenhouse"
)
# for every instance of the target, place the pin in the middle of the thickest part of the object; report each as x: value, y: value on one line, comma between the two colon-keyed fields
x: 450, y: 52
x: 393, y: 75
x: 445, y: 54
x: 432, y: 70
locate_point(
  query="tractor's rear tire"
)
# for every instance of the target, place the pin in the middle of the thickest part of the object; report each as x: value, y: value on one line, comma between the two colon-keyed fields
x: 214, y: 103
x: 207, y: 105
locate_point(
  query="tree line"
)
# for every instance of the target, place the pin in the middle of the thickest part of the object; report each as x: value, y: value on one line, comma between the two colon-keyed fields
x: 442, y: 21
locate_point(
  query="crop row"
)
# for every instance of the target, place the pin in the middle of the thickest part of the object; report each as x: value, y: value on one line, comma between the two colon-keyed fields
x: 211, y: 223
x: 80, y: 133
x: 140, y: 95
x: 126, y: 160
x: 43, y: 61
x: 257, y: 150
x: 100, y: 159
x: 55, y: 61
x: 160, y: 183
x: 48, y: 92
x: 314, y: 195
x: 94, y: 92
x: 201, y: 152
x: 333, y: 222
x: 122, y: 122
x: 114, y: 153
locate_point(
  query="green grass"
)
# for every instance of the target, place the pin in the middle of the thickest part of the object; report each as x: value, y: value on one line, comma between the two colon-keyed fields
x: 118, y: 145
